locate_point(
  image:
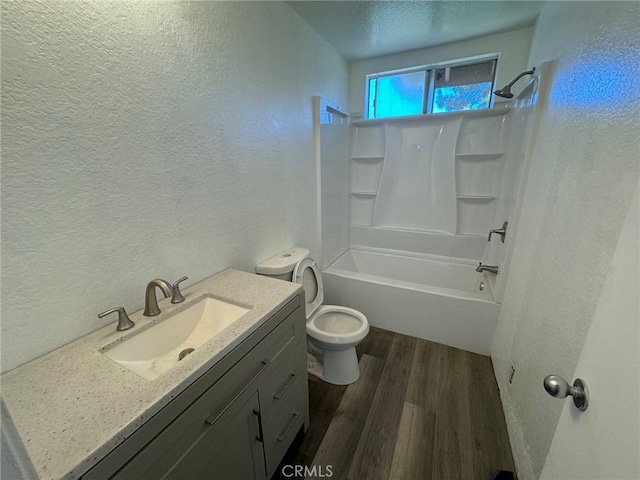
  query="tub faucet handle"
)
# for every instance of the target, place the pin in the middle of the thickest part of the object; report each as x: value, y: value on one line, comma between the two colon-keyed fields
x: 124, y: 322
x: 500, y: 231
x: 177, y: 294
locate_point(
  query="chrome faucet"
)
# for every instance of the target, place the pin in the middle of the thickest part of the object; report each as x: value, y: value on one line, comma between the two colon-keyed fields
x: 150, y: 301
x: 487, y: 268
x: 500, y: 231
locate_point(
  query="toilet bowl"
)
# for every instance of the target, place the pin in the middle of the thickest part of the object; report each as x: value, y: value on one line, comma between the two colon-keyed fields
x: 332, y: 331
x: 335, y: 331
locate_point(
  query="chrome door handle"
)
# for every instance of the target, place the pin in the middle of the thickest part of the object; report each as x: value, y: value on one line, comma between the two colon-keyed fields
x: 558, y: 387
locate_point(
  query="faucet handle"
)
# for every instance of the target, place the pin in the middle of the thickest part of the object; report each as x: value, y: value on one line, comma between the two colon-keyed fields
x: 177, y: 294
x: 500, y: 231
x: 124, y: 322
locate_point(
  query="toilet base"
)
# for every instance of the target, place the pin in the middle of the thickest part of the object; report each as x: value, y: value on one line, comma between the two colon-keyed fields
x: 338, y: 367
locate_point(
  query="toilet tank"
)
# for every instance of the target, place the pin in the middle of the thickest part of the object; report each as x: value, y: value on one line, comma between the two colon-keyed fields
x: 281, y: 266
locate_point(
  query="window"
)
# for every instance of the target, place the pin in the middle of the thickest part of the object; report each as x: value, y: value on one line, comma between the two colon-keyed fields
x: 432, y: 89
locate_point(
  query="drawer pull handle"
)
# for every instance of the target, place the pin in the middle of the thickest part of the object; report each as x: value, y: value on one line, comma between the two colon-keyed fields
x: 279, y: 395
x: 260, y: 436
x: 292, y: 422
x: 213, y: 419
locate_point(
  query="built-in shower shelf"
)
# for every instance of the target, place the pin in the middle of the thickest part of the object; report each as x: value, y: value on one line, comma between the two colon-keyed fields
x: 471, y: 235
x: 365, y: 194
x: 478, y: 198
x: 367, y: 158
x: 478, y: 156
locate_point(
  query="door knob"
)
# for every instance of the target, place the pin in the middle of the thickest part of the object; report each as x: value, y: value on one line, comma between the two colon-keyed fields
x: 558, y: 387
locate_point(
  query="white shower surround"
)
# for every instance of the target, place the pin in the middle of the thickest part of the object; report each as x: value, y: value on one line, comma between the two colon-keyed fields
x: 430, y: 297
x: 428, y: 183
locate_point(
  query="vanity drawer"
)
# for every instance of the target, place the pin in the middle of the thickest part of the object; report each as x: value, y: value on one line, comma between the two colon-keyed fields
x: 285, y: 426
x: 278, y: 387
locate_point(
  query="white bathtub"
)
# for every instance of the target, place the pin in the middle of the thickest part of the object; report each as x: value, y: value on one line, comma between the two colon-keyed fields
x: 428, y: 297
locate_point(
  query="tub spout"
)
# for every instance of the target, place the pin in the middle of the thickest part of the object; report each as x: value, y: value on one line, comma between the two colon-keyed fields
x: 487, y: 268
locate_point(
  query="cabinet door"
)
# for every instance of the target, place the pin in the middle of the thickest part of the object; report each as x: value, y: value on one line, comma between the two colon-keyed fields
x: 236, y: 452
x: 231, y: 449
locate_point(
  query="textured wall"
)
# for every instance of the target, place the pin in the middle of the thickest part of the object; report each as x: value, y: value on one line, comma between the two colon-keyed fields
x: 583, y: 174
x: 144, y: 140
x: 604, y: 442
x: 513, y: 47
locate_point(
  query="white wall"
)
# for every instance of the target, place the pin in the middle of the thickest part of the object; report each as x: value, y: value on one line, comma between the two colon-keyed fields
x: 583, y: 174
x: 604, y: 441
x: 513, y: 47
x: 144, y: 140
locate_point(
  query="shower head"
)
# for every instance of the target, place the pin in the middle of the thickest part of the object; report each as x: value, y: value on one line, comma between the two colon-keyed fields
x: 505, y: 91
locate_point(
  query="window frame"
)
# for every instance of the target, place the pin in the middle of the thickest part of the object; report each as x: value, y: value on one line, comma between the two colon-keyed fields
x: 430, y: 77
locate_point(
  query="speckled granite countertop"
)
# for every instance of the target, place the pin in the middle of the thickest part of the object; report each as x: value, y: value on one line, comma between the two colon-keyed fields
x: 74, y: 405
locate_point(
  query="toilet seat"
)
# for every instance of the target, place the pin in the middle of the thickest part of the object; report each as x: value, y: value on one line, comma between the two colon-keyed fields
x: 333, y: 324
x: 307, y: 273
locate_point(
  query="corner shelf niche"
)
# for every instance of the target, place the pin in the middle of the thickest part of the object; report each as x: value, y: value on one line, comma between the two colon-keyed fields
x: 367, y: 159
x: 365, y: 174
x: 474, y: 214
x: 479, y: 162
x: 362, y: 209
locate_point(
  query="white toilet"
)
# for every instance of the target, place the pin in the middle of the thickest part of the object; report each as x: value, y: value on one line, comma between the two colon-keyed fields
x: 332, y: 331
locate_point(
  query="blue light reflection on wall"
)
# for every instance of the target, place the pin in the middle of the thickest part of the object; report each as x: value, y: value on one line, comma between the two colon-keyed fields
x: 598, y: 82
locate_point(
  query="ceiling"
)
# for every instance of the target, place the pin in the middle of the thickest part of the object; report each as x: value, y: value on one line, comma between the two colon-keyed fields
x: 364, y: 29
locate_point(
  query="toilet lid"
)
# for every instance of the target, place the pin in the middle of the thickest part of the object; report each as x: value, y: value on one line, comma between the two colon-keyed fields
x: 307, y: 273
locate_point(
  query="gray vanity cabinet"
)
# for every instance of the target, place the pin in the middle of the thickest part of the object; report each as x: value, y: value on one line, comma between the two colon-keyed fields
x: 232, y: 451
x: 234, y: 422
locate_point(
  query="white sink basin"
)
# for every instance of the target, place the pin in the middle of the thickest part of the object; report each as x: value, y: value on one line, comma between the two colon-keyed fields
x: 157, y: 349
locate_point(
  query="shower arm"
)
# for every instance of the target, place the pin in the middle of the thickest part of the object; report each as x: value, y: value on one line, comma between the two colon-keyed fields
x: 528, y: 72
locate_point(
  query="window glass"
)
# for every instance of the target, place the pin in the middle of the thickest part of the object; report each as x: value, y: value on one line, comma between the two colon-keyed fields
x: 373, y: 83
x: 431, y: 90
x: 463, y: 88
x: 397, y: 95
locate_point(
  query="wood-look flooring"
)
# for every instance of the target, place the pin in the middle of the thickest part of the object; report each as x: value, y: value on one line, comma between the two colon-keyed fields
x: 419, y: 411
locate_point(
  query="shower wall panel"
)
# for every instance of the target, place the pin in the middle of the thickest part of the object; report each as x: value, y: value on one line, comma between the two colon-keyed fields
x: 332, y: 150
x: 417, y: 189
